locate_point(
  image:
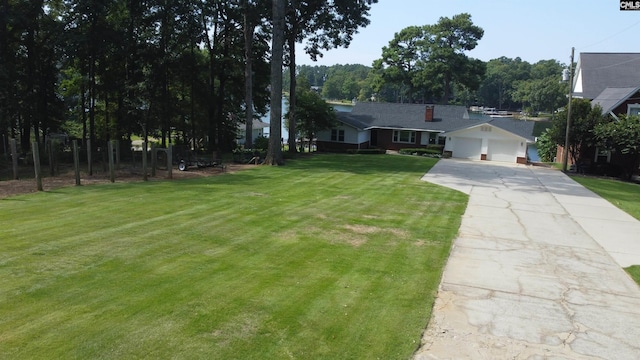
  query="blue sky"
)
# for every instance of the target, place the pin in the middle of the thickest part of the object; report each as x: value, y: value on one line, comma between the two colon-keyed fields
x: 533, y: 30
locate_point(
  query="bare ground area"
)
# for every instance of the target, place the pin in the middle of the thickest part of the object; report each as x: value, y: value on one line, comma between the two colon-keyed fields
x: 66, y: 177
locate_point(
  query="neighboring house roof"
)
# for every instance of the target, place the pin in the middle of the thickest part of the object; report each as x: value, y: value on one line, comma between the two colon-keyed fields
x: 522, y: 128
x: 597, y: 71
x: 370, y: 115
x: 611, y: 98
x: 359, y: 122
x: 257, y: 124
x: 447, y: 118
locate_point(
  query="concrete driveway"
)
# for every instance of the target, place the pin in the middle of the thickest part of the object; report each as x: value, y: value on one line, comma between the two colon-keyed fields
x: 536, y: 270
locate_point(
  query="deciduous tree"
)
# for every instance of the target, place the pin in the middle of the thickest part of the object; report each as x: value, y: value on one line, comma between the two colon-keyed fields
x: 430, y: 59
x: 623, y: 137
x: 584, y: 119
x: 314, y: 114
x: 324, y: 25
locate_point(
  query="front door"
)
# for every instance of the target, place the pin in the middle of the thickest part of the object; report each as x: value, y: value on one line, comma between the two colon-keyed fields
x: 374, y: 137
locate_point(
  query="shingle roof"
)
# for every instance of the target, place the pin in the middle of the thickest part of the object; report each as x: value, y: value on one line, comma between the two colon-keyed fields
x: 367, y: 115
x: 598, y: 71
x: 359, y: 122
x: 611, y: 98
x: 257, y: 124
x: 521, y: 128
x: 370, y: 115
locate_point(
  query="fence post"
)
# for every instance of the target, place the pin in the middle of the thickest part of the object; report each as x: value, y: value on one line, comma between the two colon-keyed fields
x: 52, y: 167
x: 76, y: 161
x: 144, y: 161
x: 89, y: 162
x: 112, y: 175
x: 153, y: 159
x: 36, y: 165
x: 170, y: 161
x: 14, y: 158
x: 117, y: 154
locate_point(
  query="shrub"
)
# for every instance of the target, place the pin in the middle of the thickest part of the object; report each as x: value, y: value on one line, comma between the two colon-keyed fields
x: 547, y: 148
x: 422, y: 151
x: 261, y: 143
x: 245, y: 155
x: 366, y: 151
x: 436, y: 147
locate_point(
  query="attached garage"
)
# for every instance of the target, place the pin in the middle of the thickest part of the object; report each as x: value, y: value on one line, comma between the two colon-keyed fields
x: 486, y: 141
x: 468, y: 148
x: 502, y: 150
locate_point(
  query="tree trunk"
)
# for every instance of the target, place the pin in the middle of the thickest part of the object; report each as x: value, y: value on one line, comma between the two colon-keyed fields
x: 292, y: 85
x: 248, y: 77
x: 213, y: 128
x: 83, y: 114
x: 447, y: 89
x: 222, y: 93
x: 92, y: 101
x: 274, y: 154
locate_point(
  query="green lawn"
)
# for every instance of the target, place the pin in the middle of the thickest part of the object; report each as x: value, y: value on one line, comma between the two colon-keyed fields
x: 329, y: 257
x: 624, y: 195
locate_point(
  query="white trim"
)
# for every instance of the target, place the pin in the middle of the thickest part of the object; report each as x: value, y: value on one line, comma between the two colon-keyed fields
x: 338, y: 134
x: 498, y: 129
x: 408, y: 129
x: 396, y: 138
x: 632, y: 106
x: 600, y: 153
x: 614, y: 115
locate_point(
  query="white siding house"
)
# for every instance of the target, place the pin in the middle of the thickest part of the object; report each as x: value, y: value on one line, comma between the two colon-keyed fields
x: 392, y: 126
x: 486, y: 142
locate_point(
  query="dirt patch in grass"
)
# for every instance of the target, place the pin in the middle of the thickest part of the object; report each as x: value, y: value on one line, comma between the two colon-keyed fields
x: 66, y: 178
x: 358, y: 234
x: 363, y: 229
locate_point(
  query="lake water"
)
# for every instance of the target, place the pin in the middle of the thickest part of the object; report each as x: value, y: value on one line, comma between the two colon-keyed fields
x: 532, y: 152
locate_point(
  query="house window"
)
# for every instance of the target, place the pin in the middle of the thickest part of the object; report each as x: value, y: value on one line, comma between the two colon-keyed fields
x: 337, y: 135
x: 633, y: 109
x: 602, y: 156
x: 404, y: 136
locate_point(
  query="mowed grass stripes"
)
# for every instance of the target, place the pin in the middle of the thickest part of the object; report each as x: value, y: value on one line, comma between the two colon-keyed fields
x: 332, y: 256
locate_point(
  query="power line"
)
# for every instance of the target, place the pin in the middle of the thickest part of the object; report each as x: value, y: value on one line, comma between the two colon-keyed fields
x: 609, y: 37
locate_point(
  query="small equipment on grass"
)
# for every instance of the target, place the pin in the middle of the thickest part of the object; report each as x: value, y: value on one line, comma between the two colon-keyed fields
x: 189, y: 158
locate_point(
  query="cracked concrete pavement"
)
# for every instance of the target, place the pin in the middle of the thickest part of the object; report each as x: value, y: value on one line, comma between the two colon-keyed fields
x: 536, y: 271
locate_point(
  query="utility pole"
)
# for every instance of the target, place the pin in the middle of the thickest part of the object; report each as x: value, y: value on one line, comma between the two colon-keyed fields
x: 565, y: 152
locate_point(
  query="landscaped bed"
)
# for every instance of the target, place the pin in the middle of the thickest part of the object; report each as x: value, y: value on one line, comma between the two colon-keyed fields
x: 332, y: 256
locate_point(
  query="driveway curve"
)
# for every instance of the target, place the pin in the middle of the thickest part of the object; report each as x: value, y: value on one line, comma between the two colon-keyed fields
x: 536, y: 270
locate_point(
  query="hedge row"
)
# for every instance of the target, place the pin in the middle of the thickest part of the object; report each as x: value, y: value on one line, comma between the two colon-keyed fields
x: 422, y: 151
x: 366, y: 151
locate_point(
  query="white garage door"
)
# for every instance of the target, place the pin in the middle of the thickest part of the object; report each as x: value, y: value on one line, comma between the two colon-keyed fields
x: 467, y: 148
x: 502, y: 150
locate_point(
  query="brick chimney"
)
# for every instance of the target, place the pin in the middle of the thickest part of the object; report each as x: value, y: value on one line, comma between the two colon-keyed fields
x: 428, y: 113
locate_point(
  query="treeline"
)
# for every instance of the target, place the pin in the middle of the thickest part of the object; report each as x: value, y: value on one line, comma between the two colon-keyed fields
x: 111, y: 69
x: 430, y: 64
x: 179, y: 70
x: 192, y: 72
x: 507, y: 83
